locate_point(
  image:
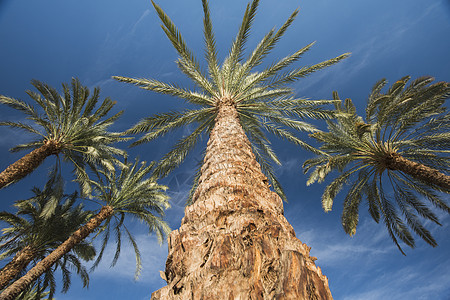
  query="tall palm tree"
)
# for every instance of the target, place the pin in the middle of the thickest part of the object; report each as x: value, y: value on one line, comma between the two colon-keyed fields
x: 404, y: 143
x: 67, y: 125
x: 127, y: 193
x: 41, y: 224
x: 234, y: 234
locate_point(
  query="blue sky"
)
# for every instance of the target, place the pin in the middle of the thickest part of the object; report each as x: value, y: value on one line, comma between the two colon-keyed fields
x: 53, y: 41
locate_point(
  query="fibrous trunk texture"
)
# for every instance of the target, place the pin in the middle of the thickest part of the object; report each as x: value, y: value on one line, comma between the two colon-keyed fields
x: 17, y: 264
x: 18, y: 286
x: 28, y: 163
x: 419, y: 171
x: 234, y: 242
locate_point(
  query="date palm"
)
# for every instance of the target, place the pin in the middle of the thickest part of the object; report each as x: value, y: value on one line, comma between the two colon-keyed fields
x: 66, y: 124
x: 126, y: 194
x: 41, y: 224
x: 217, y: 244
x: 404, y: 143
x: 263, y: 100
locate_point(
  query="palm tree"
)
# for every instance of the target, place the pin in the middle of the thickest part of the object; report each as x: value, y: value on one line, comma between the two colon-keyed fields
x: 127, y: 193
x: 41, y: 224
x: 234, y: 234
x: 69, y: 126
x: 404, y: 143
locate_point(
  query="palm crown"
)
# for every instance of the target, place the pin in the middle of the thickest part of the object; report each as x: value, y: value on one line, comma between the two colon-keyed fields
x: 69, y: 125
x: 41, y: 224
x: 130, y: 193
x: 404, y: 144
x: 264, y: 101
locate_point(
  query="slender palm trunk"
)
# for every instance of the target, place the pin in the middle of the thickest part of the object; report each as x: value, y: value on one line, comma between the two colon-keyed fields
x: 419, y: 171
x: 28, y: 163
x: 234, y: 242
x: 18, y: 286
x: 17, y: 264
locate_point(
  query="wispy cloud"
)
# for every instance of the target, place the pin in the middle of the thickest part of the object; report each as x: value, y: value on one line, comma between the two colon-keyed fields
x: 408, y: 283
x: 153, y: 260
x: 140, y: 20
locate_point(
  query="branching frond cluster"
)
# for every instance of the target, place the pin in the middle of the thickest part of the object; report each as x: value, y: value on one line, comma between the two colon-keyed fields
x: 264, y: 100
x: 72, y: 120
x: 44, y: 222
x: 407, y: 121
x: 130, y: 193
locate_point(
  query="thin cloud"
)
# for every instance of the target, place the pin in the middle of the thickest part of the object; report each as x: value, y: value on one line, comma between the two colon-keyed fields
x: 140, y: 20
x: 153, y: 260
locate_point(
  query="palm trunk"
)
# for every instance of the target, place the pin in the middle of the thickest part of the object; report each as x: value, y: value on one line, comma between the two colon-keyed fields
x: 18, y: 286
x: 17, y: 264
x: 234, y: 242
x: 419, y: 171
x: 28, y: 163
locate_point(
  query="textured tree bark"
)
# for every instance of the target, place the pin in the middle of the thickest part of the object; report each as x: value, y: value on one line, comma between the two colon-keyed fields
x: 234, y: 242
x: 18, y: 286
x: 418, y: 171
x: 28, y: 163
x: 17, y: 264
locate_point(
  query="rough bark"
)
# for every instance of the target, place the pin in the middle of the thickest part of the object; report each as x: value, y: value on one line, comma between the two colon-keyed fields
x: 234, y: 242
x: 18, y: 286
x: 28, y: 163
x: 418, y: 171
x: 17, y: 264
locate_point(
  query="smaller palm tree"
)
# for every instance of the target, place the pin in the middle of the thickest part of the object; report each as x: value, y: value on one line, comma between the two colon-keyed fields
x: 67, y: 125
x: 127, y: 193
x: 404, y: 143
x: 41, y: 224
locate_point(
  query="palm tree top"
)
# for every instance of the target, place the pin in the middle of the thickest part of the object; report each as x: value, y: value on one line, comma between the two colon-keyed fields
x: 71, y: 122
x: 43, y: 222
x: 131, y: 192
x: 263, y: 99
x: 408, y: 123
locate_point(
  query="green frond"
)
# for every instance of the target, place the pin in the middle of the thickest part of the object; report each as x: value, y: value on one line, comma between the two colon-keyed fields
x: 136, y: 252
x: 188, y: 62
x: 304, y: 71
x: 18, y: 105
x: 373, y: 196
x: 179, y: 152
x: 168, y: 89
x: 263, y: 94
x: 20, y: 125
x: 304, y: 109
x: 211, y: 52
x: 160, y: 124
x: 332, y: 189
x: 284, y: 134
x: 266, y: 45
x: 234, y: 57
x: 273, y: 69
